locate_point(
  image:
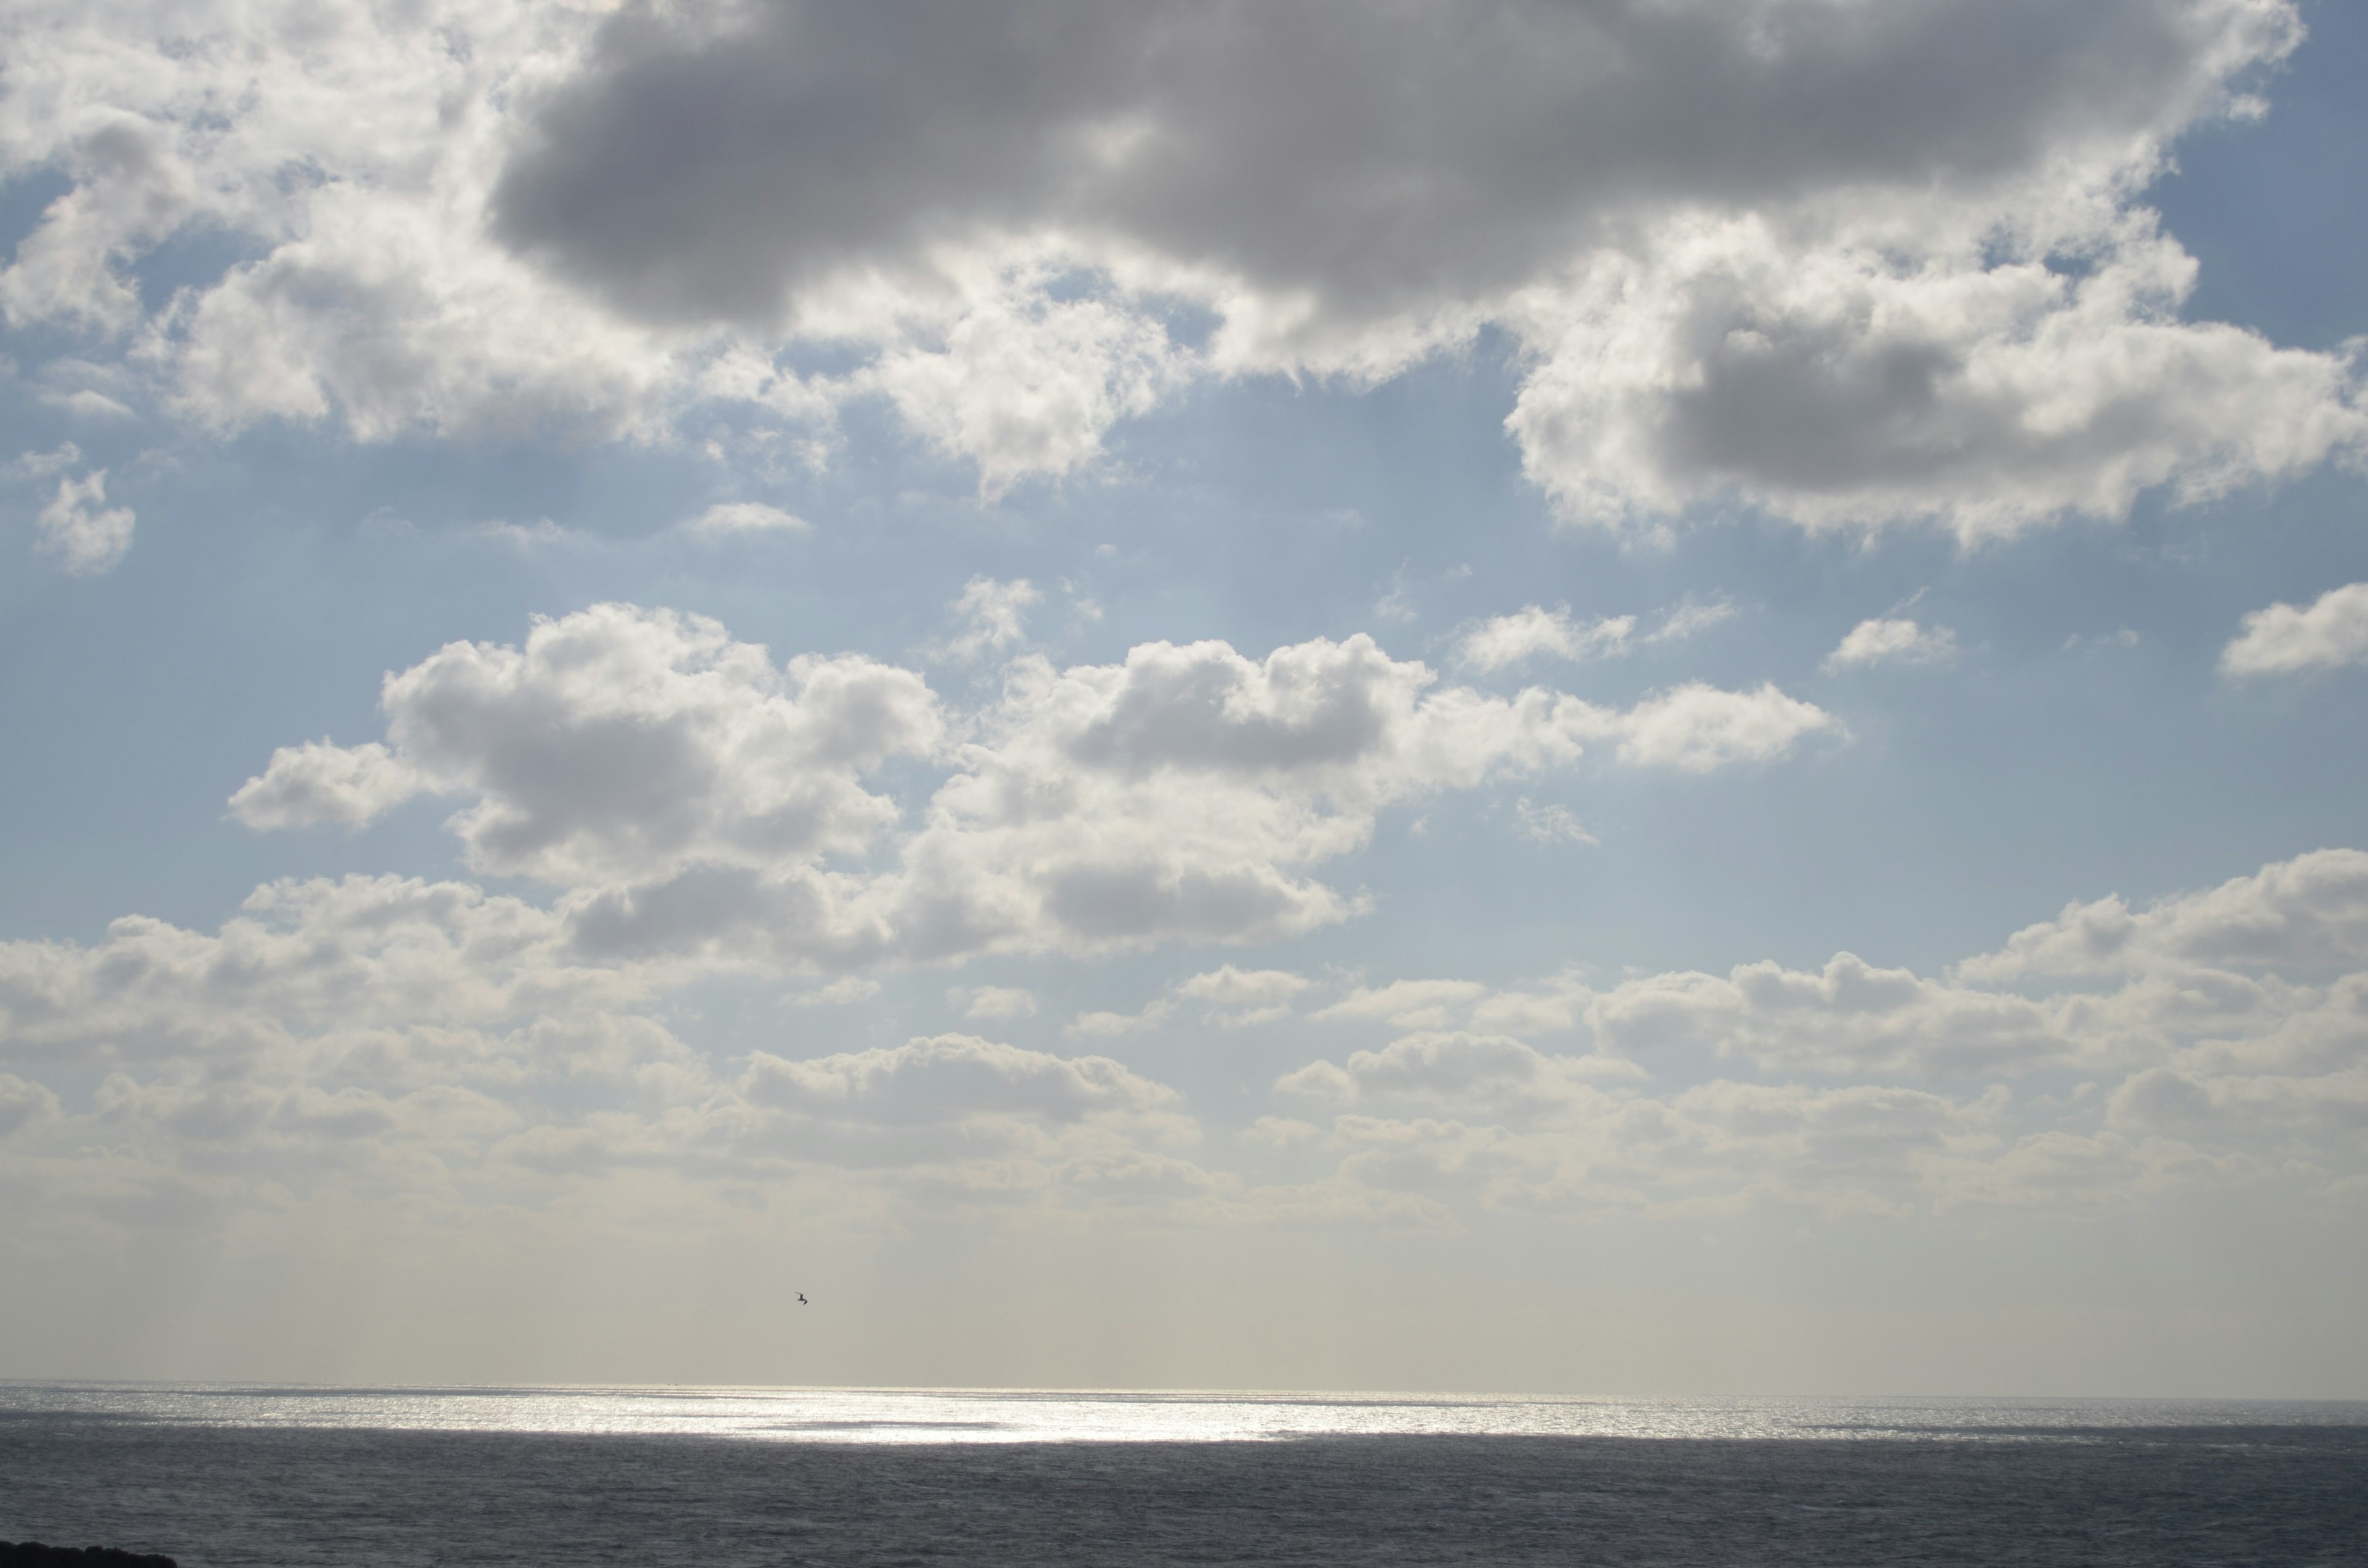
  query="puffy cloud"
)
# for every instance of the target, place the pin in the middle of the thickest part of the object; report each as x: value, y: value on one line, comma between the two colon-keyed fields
x: 1530, y: 631
x: 1838, y: 382
x: 1698, y: 728
x: 1691, y: 620
x: 24, y: 1104
x: 319, y: 782
x: 1892, y: 642
x: 950, y: 1077
x: 994, y: 1001
x: 846, y: 990
x: 2307, y: 913
x: 303, y: 959
x: 1236, y: 997
x: 87, y: 536
x: 1235, y: 138
x: 1459, y: 1071
x: 2216, y: 1052
x: 726, y: 518
x: 1853, y: 265
x: 2284, y: 639
x: 1550, y: 824
x: 687, y: 792
x: 623, y: 744
x: 1227, y: 996
x: 993, y: 615
x: 1409, y: 1004
x: 1851, y: 1017
x: 430, y: 1045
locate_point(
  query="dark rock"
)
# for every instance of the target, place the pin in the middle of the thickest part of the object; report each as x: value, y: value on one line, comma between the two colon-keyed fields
x: 33, y: 1554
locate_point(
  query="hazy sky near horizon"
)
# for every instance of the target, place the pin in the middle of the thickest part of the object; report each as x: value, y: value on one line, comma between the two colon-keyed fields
x: 1641, y: 695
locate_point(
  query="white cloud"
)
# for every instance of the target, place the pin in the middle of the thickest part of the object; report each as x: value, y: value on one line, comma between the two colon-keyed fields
x: 1851, y: 1017
x: 2284, y: 639
x: 623, y: 743
x: 1698, y: 728
x: 24, y: 1104
x: 685, y: 791
x: 1894, y: 640
x: 385, y: 1041
x: 993, y: 615
x: 87, y: 536
x: 1550, y: 824
x: 1530, y: 631
x: 1227, y: 997
x: 728, y: 519
x: 321, y: 782
x: 992, y: 1002
x: 1409, y: 1004
x: 950, y: 1078
x: 41, y: 465
x: 88, y: 403
x: 1870, y: 367
x: 1011, y: 1116
x: 2307, y: 913
x: 846, y: 990
x: 1236, y: 999
x: 1105, y: 1025
x: 1691, y: 620
x: 1853, y: 274
x: 2197, y: 1042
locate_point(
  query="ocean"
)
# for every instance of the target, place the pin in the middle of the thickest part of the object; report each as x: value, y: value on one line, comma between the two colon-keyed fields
x: 222, y: 1475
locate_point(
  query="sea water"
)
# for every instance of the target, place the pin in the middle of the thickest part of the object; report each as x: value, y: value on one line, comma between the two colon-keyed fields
x: 217, y: 1475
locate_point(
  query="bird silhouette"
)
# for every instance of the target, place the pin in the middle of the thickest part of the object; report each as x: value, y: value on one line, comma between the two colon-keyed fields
x: 801, y: 1299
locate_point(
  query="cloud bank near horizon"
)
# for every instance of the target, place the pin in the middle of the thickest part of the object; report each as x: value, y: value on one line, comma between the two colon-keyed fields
x: 432, y: 1049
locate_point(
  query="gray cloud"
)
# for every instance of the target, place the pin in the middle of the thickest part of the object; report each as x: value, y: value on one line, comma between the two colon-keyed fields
x: 1376, y: 158
x: 1852, y: 264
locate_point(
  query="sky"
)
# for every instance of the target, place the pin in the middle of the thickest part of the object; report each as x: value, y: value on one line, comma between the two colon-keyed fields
x: 1573, y: 695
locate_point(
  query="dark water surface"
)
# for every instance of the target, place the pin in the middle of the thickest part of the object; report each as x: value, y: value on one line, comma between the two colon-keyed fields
x: 215, y: 1495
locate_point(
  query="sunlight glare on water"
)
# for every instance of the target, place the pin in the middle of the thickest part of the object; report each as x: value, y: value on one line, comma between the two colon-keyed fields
x: 1005, y: 1416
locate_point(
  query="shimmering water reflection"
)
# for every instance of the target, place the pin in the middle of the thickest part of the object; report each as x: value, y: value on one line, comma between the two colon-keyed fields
x: 1027, y: 1415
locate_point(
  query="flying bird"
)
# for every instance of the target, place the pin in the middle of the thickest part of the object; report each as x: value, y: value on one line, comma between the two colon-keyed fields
x: 801, y: 1299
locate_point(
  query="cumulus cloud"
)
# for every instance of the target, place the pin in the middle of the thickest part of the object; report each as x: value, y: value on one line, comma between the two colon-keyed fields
x: 2286, y: 640
x: 2212, y: 1037
x: 726, y: 518
x: 1691, y: 620
x: 846, y: 990
x: 320, y: 782
x: 1236, y: 999
x: 1530, y: 631
x: 948, y: 1078
x: 1843, y: 385
x: 623, y: 743
x: 994, y: 1001
x: 389, y: 1040
x: 1854, y: 266
x: 1698, y: 728
x: 993, y: 616
x: 1226, y: 996
x: 1894, y: 640
x: 683, y: 790
x: 2308, y: 912
x: 1550, y: 824
x: 85, y: 534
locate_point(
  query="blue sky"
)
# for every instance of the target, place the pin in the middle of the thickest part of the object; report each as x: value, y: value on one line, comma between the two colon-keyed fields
x: 1415, y: 666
